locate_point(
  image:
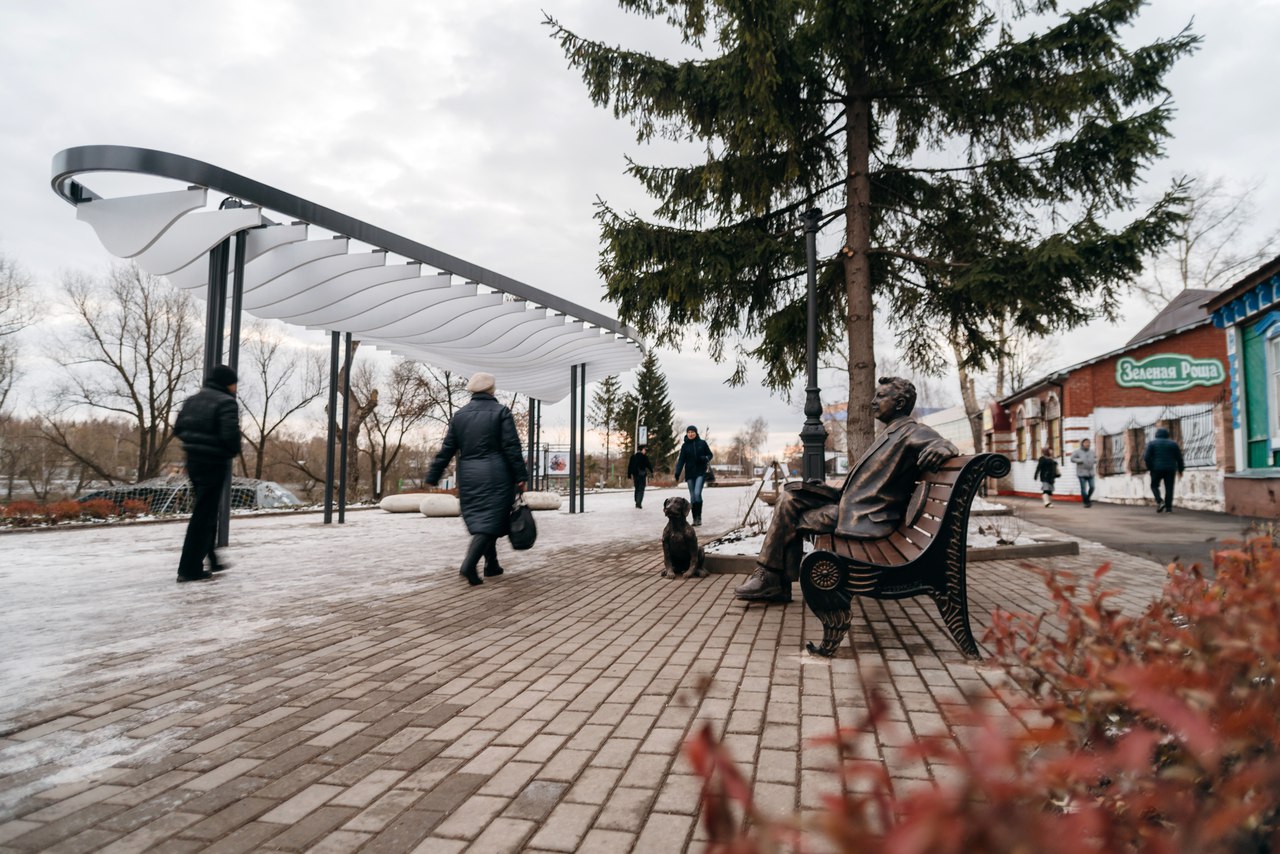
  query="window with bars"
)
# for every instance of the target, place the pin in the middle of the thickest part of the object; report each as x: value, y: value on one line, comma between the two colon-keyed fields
x: 1195, y: 434
x: 1111, y: 454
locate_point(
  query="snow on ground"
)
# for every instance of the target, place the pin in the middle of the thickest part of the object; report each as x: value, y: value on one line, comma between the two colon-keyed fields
x: 82, y: 606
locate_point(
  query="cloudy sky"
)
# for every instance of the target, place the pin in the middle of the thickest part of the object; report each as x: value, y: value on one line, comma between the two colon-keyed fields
x: 457, y: 124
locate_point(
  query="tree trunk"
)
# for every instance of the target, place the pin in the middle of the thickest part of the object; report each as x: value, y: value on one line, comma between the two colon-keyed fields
x: 859, y: 423
x: 972, y: 411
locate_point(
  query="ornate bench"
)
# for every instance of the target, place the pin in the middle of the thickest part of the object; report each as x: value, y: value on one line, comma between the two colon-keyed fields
x: 924, y: 556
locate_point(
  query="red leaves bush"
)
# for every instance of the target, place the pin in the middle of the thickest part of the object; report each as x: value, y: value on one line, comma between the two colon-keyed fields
x: 23, y: 513
x: 135, y: 507
x: 99, y: 508
x: 1162, y: 735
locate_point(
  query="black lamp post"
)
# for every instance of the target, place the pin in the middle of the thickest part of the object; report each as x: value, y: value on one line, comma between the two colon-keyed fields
x: 813, y: 438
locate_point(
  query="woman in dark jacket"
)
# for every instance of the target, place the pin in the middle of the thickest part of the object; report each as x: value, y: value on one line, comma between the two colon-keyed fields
x: 695, y: 457
x: 491, y: 471
x: 1047, y: 473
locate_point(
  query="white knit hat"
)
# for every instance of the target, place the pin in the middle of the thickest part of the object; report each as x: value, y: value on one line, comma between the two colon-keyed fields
x: 481, y: 382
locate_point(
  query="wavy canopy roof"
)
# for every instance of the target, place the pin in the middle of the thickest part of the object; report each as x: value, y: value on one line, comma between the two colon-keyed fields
x: 384, y: 289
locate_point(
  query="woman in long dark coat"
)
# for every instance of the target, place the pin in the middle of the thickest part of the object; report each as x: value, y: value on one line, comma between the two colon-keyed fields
x: 491, y: 471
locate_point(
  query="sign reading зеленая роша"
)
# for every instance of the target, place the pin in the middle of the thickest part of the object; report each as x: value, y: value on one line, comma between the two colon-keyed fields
x: 1168, y: 372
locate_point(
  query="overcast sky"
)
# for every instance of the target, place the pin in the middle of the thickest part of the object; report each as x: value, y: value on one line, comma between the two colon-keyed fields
x: 457, y: 123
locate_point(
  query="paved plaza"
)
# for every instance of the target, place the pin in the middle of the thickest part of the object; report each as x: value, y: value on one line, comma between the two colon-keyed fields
x: 341, y: 689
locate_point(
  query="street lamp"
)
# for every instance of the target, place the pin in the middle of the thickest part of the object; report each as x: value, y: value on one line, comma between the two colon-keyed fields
x: 813, y: 438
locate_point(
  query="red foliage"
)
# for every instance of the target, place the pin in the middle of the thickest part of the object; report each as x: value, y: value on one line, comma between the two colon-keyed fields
x: 1162, y: 735
x: 99, y: 508
x: 135, y: 507
x: 63, y: 511
x: 23, y: 513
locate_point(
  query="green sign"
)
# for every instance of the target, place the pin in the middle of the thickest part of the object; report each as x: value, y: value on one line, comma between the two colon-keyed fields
x: 1168, y: 372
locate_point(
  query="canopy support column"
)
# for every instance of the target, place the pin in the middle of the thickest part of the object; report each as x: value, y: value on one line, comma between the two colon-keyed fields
x: 331, y: 414
x: 573, y: 439
x: 582, y: 438
x: 346, y: 421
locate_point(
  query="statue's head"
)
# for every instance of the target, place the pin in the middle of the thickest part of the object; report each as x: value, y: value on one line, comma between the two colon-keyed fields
x: 895, y: 398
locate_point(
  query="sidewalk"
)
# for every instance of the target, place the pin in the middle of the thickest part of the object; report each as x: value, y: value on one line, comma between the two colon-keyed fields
x: 370, y: 704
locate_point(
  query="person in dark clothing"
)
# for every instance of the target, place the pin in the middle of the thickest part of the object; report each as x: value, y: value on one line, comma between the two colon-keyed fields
x: 491, y: 470
x: 695, y: 457
x: 1164, y: 460
x: 639, y: 469
x: 208, y: 426
x: 1047, y: 473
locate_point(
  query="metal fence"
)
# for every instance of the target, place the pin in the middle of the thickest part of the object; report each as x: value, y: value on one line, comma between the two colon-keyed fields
x: 1196, y: 435
x: 1111, y: 460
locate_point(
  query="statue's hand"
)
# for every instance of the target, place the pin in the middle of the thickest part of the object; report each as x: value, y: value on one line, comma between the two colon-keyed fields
x: 932, y: 458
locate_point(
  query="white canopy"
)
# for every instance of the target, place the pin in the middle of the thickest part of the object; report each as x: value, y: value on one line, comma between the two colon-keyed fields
x: 424, y: 305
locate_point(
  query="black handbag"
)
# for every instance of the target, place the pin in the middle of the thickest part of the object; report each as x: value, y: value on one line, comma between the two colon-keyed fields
x: 520, y: 526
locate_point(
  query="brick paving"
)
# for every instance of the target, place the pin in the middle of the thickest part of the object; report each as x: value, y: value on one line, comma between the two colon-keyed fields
x: 543, y: 711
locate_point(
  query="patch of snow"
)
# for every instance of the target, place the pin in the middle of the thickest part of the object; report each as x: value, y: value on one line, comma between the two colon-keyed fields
x: 980, y: 503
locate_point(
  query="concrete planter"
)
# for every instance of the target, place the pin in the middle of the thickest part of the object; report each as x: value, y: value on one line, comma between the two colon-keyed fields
x: 406, y: 503
x: 439, y: 505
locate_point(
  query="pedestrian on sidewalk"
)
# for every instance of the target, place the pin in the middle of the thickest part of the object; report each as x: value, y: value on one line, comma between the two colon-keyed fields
x: 1163, y: 458
x: 208, y: 426
x: 1047, y: 473
x: 491, y: 471
x: 639, y: 469
x: 1086, y: 462
x: 695, y: 457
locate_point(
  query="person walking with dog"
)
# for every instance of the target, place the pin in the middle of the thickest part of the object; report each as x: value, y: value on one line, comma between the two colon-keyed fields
x: 694, y: 462
x: 208, y: 426
x: 1047, y: 474
x: 1164, y: 460
x: 639, y: 469
x: 491, y: 470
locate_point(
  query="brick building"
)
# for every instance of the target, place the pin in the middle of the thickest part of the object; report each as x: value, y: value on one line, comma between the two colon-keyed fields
x: 1171, y: 374
x: 1249, y: 313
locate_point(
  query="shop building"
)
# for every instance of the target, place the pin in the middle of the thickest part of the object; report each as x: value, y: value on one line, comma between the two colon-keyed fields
x: 1249, y: 313
x: 1171, y: 374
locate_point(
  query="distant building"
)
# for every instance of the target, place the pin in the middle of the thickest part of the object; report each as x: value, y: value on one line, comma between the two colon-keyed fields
x: 1171, y: 374
x: 952, y: 424
x: 1249, y: 313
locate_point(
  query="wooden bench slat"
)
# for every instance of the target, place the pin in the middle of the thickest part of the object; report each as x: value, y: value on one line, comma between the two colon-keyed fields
x: 877, y: 555
x: 892, y: 555
x: 931, y: 525
x: 905, y: 547
x: 947, y: 476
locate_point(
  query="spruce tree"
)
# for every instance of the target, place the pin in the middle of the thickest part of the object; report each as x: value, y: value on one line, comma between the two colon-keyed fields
x: 604, y: 415
x: 983, y: 158
x: 655, y: 411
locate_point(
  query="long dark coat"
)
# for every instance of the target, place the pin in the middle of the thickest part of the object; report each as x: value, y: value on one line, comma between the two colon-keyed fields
x: 483, y: 436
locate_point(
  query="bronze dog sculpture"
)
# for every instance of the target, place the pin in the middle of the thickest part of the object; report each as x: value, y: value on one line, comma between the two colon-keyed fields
x: 682, y: 557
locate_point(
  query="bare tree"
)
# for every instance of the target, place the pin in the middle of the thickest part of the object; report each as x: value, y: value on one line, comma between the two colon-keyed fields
x: 403, y: 408
x: 1211, y: 247
x: 134, y: 350
x: 17, y: 310
x: 747, y: 442
x: 277, y: 380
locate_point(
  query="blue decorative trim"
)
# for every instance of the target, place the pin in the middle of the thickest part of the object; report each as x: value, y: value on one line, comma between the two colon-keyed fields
x: 1249, y: 303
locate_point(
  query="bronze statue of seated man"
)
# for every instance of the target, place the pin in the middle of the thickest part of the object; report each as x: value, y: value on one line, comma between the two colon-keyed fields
x: 869, y: 506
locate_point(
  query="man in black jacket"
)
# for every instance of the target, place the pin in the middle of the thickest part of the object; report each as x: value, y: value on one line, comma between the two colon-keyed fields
x: 1164, y: 460
x: 209, y: 428
x: 639, y: 469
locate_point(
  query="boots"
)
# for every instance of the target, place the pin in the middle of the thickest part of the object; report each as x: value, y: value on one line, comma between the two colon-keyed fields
x: 697, y: 513
x: 765, y: 585
x: 475, y: 551
x: 1048, y: 502
x: 491, y: 567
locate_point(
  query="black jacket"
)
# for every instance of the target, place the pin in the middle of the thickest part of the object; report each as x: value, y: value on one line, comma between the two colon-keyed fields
x: 640, y: 466
x: 695, y: 455
x: 1163, y: 454
x: 483, y: 436
x: 1046, y: 469
x: 209, y: 424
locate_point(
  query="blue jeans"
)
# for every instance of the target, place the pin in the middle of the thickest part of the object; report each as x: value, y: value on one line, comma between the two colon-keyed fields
x: 695, y: 489
x: 1086, y: 488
